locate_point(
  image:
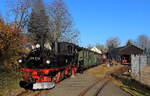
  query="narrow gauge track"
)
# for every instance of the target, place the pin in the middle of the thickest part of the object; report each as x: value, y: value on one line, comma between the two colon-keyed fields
x: 83, y: 93
x: 87, y: 89
x: 99, y: 89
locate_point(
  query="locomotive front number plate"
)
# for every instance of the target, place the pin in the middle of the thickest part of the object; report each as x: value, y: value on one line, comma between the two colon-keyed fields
x: 43, y: 85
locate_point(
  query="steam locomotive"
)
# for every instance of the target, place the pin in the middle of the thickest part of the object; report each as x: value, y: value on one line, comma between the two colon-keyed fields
x: 47, y: 65
x: 44, y: 67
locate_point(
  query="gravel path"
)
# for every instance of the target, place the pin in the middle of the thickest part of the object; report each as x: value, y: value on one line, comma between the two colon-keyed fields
x: 74, y: 86
x: 112, y: 90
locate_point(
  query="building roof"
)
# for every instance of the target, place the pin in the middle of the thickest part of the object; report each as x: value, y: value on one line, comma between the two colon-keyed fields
x: 127, y: 50
x: 96, y: 50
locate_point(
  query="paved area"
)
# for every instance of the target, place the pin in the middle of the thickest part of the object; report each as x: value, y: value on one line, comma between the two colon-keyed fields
x: 112, y: 90
x: 73, y: 87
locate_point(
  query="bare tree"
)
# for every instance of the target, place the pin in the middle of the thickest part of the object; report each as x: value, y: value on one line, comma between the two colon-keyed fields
x: 61, y: 23
x: 100, y: 46
x: 90, y: 46
x: 113, y: 42
x: 143, y: 42
x: 20, y: 12
x: 72, y: 36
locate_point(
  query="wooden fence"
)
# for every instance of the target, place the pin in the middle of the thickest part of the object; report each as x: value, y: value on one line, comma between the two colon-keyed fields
x: 138, y: 63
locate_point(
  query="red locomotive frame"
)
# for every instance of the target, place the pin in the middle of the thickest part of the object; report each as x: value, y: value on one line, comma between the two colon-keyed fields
x: 34, y: 73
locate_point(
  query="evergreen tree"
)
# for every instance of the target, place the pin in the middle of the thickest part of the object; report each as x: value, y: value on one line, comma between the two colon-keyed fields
x: 129, y: 42
x: 38, y: 23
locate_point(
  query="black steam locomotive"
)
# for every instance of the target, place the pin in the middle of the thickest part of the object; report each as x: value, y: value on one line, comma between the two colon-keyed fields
x: 48, y: 64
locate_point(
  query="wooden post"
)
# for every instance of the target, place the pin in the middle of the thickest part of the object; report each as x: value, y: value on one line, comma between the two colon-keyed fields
x: 139, y: 67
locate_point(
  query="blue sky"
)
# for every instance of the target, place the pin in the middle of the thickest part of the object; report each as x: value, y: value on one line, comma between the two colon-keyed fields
x: 98, y: 20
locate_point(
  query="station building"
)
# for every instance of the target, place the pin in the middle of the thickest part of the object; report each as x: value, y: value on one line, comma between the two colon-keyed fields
x: 123, y: 54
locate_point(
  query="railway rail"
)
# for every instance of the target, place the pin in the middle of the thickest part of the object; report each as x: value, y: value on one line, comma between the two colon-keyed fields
x: 85, y: 91
x: 102, y: 85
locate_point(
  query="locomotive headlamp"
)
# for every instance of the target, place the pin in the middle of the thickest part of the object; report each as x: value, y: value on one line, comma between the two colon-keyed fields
x: 48, y: 61
x: 20, y: 60
x: 37, y: 45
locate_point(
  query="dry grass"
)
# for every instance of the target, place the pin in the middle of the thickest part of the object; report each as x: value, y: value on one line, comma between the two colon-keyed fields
x: 145, y: 75
x: 102, y: 70
x: 8, y: 82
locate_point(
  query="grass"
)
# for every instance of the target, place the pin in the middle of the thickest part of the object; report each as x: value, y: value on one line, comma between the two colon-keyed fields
x: 133, y: 91
x: 8, y: 82
x: 132, y: 87
x: 102, y: 70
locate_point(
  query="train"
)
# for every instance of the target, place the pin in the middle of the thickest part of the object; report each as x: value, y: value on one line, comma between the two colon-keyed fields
x: 51, y: 63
